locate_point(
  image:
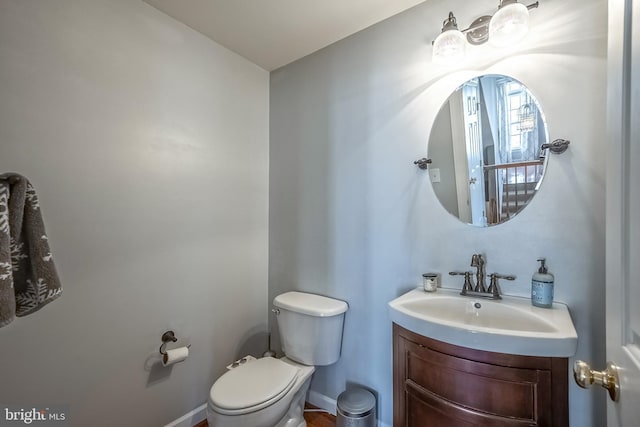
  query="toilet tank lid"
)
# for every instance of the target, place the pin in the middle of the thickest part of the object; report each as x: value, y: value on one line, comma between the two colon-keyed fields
x: 310, y: 304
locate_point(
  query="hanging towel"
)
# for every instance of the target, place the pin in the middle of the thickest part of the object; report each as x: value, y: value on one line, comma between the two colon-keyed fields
x: 28, y: 277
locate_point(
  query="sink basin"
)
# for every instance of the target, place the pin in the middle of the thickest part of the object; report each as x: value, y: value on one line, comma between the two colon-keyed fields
x: 511, y: 325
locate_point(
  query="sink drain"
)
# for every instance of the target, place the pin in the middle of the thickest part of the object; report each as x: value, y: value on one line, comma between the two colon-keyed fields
x: 477, y: 305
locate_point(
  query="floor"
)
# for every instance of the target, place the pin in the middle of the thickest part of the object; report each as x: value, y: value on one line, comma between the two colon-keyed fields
x: 319, y: 419
x: 314, y: 419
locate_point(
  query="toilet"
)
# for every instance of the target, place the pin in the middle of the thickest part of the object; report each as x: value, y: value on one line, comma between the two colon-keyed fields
x: 270, y: 392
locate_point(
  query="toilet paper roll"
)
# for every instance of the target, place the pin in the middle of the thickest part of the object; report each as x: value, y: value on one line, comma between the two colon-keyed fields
x: 175, y: 355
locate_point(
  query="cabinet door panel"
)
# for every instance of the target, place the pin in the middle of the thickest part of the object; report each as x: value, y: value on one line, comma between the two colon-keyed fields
x: 498, y: 390
x: 426, y: 409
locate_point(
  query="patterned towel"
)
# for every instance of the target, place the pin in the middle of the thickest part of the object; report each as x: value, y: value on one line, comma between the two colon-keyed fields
x: 28, y: 277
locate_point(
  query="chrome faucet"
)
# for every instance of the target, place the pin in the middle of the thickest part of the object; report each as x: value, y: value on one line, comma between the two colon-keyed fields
x: 478, y: 262
x: 480, y: 290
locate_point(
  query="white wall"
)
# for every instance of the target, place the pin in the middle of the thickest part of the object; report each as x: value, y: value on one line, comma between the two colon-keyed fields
x: 352, y: 217
x: 148, y: 146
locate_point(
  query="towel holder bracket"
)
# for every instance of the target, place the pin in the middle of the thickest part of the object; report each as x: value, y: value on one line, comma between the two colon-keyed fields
x: 169, y: 336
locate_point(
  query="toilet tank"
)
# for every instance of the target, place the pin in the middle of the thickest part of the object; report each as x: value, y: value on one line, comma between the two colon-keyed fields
x: 310, y: 327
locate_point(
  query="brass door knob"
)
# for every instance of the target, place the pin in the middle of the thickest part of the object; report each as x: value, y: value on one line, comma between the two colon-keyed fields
x: 585, y: 377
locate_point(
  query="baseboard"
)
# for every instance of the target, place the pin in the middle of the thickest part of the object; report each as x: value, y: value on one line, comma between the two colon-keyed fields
x: 200, y: 413
x: 192, y: 418
x: 321, y: 401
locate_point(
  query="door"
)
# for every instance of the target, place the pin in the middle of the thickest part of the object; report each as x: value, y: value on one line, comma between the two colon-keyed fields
x: 623, y: 209
x: 475, y: 159
x: 458, y: 137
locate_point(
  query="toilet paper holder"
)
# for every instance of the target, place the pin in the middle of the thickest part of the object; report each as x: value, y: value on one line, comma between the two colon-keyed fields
x: 167, y: 337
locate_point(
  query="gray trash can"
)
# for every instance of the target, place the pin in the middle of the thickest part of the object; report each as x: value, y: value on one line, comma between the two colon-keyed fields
x: 356, y: 408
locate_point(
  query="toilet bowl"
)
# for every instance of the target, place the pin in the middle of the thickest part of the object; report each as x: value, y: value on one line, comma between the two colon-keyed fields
x: 270, y: 392
x: 266, y: 392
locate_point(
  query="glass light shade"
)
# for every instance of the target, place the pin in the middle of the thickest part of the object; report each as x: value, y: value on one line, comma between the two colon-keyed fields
x: 448, y: 47
x: 509, y: 25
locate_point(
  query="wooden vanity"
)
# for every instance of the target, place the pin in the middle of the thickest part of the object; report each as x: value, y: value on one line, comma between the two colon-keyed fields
x: 436, y: 384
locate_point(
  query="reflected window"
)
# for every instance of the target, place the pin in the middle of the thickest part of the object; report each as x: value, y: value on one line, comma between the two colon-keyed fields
x: 520, y: 117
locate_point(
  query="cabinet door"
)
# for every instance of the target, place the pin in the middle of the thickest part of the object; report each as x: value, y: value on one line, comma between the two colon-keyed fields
x: 437, y: 384
x: 501, y: 391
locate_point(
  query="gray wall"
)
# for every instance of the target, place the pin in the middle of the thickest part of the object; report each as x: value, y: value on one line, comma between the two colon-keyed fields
x: 148, y: 146
x: 351, y: 217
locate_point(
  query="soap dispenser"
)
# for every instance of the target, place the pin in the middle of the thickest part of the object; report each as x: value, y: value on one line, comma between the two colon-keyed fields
x: 542, y: 286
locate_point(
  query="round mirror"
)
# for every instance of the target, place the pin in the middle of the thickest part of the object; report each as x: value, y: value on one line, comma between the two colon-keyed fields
x: 485, y: 150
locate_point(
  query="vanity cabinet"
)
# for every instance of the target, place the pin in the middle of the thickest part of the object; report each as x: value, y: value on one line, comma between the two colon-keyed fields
x: 436, y: 384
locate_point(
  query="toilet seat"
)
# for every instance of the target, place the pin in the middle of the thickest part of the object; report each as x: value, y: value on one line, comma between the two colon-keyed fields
x: 252, y: 386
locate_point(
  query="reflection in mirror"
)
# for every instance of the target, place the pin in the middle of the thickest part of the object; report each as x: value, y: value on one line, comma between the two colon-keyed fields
x: 485, y: 150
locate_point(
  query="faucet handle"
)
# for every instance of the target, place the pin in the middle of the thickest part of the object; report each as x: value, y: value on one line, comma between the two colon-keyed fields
x: 494, y: 288
x: 468, y: 285
x: 502, y: 276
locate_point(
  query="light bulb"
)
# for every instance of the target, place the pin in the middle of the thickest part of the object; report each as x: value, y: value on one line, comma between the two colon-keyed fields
x: 509, y: 25
x: 449, y: 46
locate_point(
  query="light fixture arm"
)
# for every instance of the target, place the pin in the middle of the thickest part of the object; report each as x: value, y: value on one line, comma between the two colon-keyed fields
x: 506, y: 2
x: 450, y: 23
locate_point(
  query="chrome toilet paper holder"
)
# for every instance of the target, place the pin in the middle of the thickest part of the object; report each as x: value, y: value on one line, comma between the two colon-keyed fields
x: 167, y: 337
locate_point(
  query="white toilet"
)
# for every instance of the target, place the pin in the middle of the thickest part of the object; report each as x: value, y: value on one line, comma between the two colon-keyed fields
x: 270, y: 392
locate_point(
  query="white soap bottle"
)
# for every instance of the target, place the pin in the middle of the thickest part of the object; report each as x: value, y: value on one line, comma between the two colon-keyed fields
x: 542, y: 287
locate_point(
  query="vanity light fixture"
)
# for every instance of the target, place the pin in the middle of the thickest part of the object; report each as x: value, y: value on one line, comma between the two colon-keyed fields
x: 449, y: 46
x: 507, y: 26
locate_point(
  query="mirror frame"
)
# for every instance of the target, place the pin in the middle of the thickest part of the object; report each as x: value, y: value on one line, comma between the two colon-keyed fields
x: 489, y: 210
